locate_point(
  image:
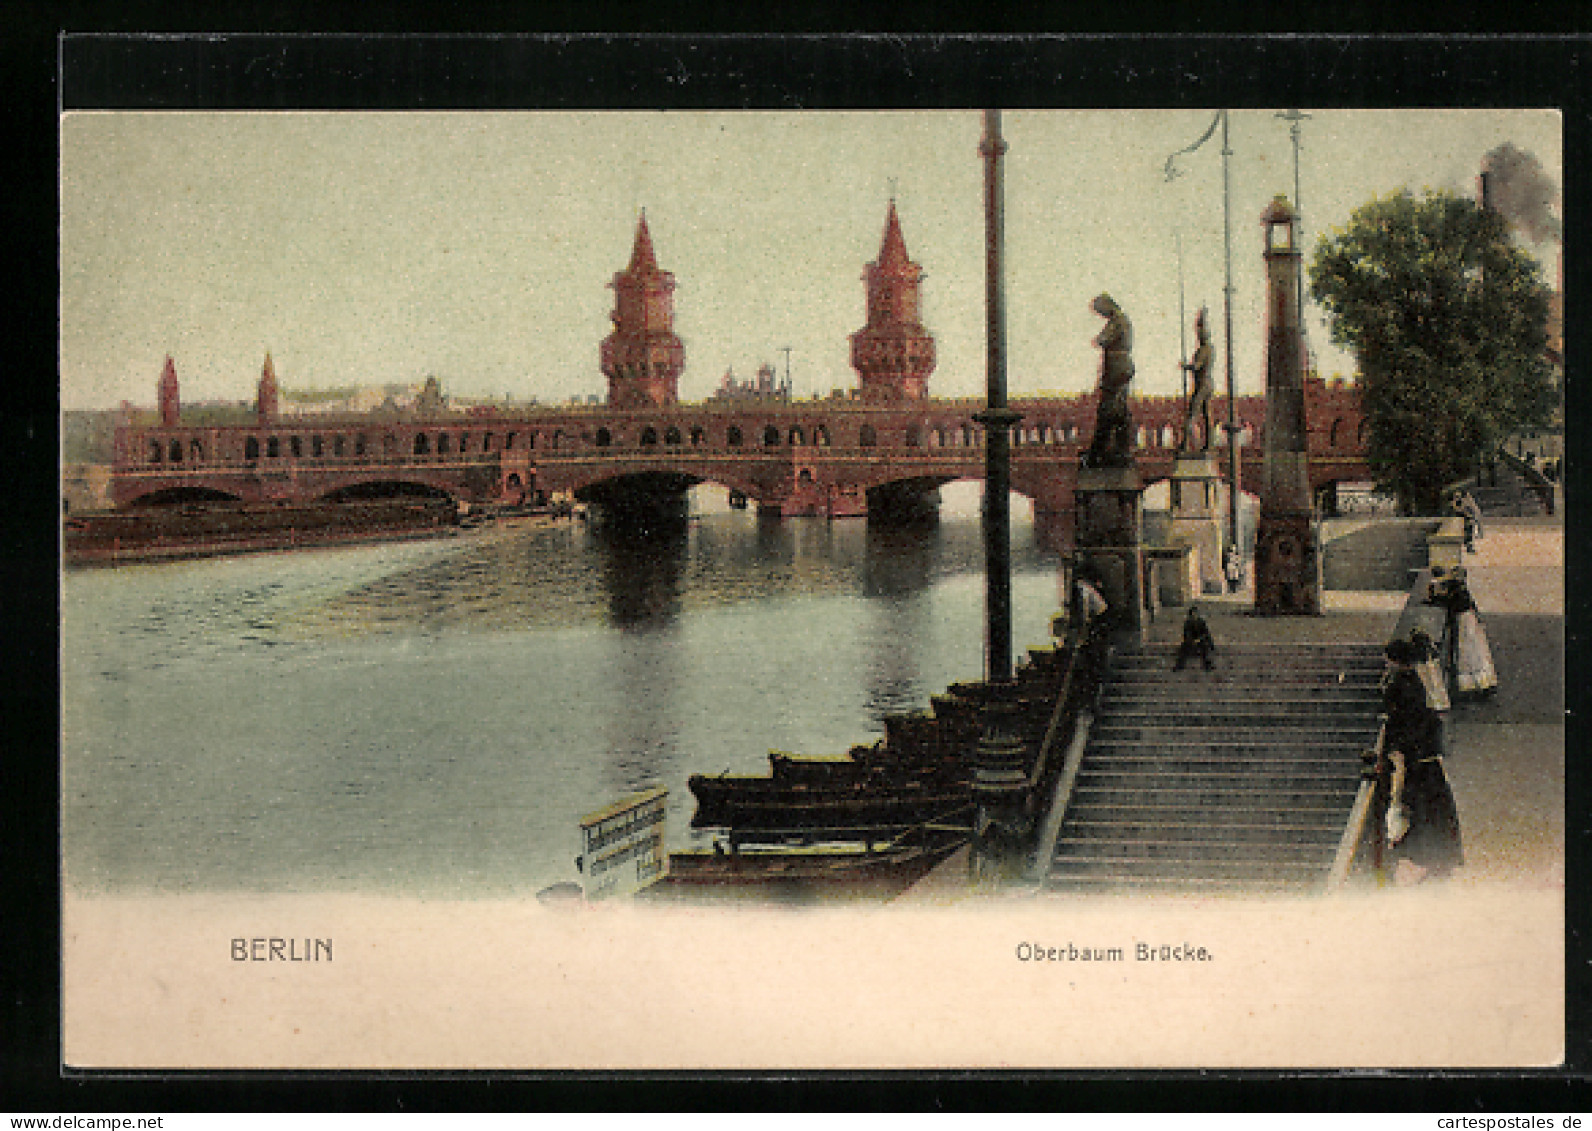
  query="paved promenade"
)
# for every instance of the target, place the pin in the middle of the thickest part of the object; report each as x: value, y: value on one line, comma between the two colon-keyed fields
x: 1505, y: 755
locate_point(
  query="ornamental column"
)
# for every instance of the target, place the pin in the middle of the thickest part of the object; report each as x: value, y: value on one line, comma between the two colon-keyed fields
x: 1287, y: 555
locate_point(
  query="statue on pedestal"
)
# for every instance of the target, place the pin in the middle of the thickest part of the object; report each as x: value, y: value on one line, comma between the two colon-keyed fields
x: 1112, y: 445
x: 1199, y: 404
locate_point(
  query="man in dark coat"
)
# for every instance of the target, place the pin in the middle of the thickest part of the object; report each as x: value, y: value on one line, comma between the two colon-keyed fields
x: 1196, y: 640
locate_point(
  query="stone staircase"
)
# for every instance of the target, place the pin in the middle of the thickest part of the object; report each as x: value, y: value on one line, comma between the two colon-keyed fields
x: 1505, y: 494
x: 1234, y: 780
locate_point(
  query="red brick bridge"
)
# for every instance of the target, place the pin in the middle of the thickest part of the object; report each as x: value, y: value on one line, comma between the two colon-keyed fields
x: 848, y: 454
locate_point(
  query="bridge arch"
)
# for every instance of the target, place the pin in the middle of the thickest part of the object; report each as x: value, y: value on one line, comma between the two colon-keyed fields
x: 180, y: 496
x: 386, y: 488
x: 733, y: 437
x: 771, y: 436
x: 603, y: 438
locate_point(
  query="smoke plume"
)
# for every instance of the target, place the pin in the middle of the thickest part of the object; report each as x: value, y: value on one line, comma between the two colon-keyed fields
x: 1520, y: 191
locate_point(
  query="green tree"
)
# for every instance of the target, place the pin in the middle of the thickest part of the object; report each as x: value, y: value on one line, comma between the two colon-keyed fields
x: 1448, y: 319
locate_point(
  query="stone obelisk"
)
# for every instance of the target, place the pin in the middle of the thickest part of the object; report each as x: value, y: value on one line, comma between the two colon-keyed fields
x: 1287, y: 557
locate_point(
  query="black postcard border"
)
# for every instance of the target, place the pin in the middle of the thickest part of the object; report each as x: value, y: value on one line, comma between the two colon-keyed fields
x: 119, y: 68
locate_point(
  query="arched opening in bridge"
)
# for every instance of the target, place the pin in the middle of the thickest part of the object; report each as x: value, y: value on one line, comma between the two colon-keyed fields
x: 386, y: 489
x: 697, y: 436
x: 487, y: 440
x: 176, y: 451
x: 184, y: 496
x: 442, y: 443
x: 359, y: 444
x: 867, y: 437
x: 508, y: 441
x: 640, y: 499
x: 295, y: 446
x: 273, y: 448
x: 805, y: 477
x: 422, y: 445
x: 797, y: 436
x: 914, y: 436
x: 196, y: 450
x: 733, y: 438
x: 317, y: 446
x: 251, y: 448
x: 671, y: 437
x: 770, y: 436
x: 649, y: 437
x: 821, y: 436
x: 557, y: 441
x: 604, y: 438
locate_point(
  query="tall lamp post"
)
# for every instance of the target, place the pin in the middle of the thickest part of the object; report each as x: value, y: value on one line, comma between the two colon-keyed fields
x: 1293, y: 118
x: 996, y: 418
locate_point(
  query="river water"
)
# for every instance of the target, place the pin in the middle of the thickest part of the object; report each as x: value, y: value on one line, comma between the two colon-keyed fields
x: 433, y: 718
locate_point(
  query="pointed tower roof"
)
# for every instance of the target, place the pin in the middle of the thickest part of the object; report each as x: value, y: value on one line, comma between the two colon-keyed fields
x: 168, y: 375
x: 893, y: 249
x: 642, y: 261
x: 269, y: 372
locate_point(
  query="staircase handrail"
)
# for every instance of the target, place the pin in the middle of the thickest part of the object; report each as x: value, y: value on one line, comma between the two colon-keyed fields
x: 1354, y: 832
x: 1533, y: 476
x: 1058, y: 715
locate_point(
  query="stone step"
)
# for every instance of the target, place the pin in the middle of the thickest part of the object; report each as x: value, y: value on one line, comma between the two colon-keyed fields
x: 1162, y: 660
x: 1241, y: 828
x: 1251, y: 769
x: 1260, y: 797
x: 1077, y: 850
x: 1062, y: 884
x: 1275, y: 732
x: 1130, y: 868
x: 1274, y: 701
x: 1220, y: 777
x: 1261, y: 752
x: 1194, y: 676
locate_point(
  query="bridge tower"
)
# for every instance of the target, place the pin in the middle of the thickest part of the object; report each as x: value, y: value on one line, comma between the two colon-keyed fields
x: 170, y: 397
x: 893, y: 353
x: 265, y: 406
x: 643, y: 357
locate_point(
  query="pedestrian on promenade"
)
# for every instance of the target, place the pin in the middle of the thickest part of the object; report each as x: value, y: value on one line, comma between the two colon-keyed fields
x: 1467, y: 656
x: 1464, y: 504
x: 1197, y: 641
x: 1421, y: 822
x: 1233, y: 567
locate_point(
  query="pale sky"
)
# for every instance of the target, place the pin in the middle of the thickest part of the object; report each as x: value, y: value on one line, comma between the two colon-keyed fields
x: 363, y: 248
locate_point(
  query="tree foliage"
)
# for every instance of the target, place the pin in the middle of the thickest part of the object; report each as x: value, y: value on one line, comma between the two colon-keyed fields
x: 1448, y: 319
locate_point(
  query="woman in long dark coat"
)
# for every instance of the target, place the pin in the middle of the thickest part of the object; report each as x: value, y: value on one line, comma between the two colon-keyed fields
x: 1423, y: 819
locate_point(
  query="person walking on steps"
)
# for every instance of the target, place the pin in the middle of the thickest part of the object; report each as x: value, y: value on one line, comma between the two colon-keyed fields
x: 1197, y: 640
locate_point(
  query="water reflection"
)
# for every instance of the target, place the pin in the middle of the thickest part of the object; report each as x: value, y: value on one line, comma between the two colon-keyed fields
x: 898, y: 566
x: 438, y: 716
x: 642, y: 564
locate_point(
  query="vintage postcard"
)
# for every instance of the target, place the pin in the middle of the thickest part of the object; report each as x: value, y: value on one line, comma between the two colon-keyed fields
x: 527, y: 601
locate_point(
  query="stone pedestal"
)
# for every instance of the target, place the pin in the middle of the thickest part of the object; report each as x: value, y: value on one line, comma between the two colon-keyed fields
x: 1287, y: 566
x: 1196, y: 518
x: 1110, y: 541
